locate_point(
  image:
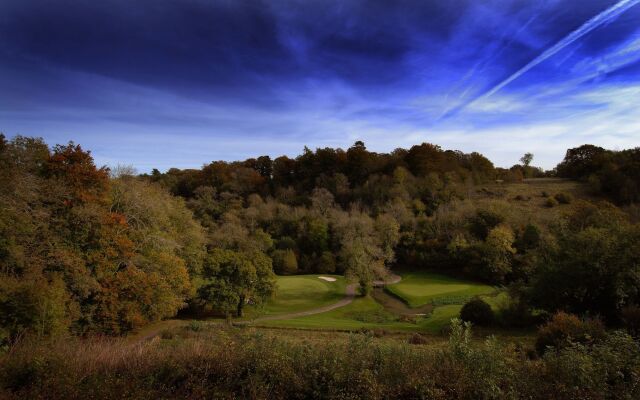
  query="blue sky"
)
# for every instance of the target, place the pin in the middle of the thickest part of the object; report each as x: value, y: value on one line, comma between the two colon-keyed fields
x: 159, y: 83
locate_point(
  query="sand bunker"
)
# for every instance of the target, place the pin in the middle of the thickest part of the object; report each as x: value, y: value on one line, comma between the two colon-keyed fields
x: 327, y: 278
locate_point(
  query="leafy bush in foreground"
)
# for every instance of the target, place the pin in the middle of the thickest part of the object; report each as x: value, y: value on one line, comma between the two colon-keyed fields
x: 566, y: 329
x: 219, y: 363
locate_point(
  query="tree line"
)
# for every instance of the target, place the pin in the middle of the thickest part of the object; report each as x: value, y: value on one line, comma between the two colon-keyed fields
x: 615, y: 174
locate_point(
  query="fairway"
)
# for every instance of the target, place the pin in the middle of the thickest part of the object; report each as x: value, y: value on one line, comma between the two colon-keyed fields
x: 304, y: 292
x: 366, y: 313
x: 419, y: 288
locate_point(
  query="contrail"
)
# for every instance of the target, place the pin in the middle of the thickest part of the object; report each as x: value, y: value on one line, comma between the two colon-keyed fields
x: 606, y: 16
x: 602, y: 18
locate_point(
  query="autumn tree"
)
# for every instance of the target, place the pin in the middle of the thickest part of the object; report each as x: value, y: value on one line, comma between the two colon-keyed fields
x: 364, y: 251
x: 498, y: 253
x: 234, y: 278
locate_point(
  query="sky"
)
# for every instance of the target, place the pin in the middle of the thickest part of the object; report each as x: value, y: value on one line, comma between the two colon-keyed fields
x: 160, y: 84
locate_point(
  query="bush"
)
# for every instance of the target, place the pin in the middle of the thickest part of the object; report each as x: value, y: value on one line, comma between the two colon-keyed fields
x: 544, y: 193
x: 417, y: 338
x: 530, y: 237
x: 196, y: 326
x: 515, y: 313
x: 565, y: 329
x: 564, y: 198
x: 551, y: 202
x: 484, y: 221
x: 477, y: 311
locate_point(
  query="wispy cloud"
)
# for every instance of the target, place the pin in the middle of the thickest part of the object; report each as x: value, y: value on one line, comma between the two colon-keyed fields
x: 604, y: 17
x: 600, y: 19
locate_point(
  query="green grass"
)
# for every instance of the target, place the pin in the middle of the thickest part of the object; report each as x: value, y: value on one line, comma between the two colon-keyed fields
x: 419, y: 288
x: 366, y: 313
x: 302, y: 292
x: 350, y: 317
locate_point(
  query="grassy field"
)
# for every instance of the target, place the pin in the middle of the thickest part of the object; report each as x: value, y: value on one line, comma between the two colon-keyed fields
x: 363, y: 312
x: 419, y: 288
x: 523, y: 203
x: 300, y: 293
x: 366, y: 313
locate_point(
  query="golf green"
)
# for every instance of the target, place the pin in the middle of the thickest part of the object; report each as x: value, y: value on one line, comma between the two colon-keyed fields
x: 304, y: 292
x: 419, y: 288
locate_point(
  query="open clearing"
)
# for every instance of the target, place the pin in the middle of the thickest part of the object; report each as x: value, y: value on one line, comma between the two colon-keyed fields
x: 423, y: 288
x: 420, y: 288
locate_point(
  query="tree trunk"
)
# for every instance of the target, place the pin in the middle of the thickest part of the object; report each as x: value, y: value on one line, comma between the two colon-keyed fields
x: 240, y: 307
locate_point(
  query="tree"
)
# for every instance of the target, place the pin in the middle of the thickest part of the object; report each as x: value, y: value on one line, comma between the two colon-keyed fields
x: 359, y: 262
x: 361, y: 251
x: 484, y: 221
x: 498, y: 252
x: 285, y: 262
x: 593, y: 271
x: 233, y: 278
x: 526, y: 159
x: 322, y: 200
x: 477, y: 311
x: 581, y: 161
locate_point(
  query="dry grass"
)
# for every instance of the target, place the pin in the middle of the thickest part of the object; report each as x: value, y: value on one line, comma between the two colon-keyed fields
x: 226, y: 363
x: 524, y: 203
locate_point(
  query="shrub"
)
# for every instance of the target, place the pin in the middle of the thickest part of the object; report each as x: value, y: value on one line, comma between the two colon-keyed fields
x: 417, y: 338
x: 515, y: 313
x: 373, y: 317
x: 379, y: 332
x: 565, y: 329
x: 530, y: 237
x: 196, y: 326
x: 564, y: 198
x: 484, y: 221
x: 544, y: 193
x: 551, y: 202
x: 167, y: 334
x: 477, y: 311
